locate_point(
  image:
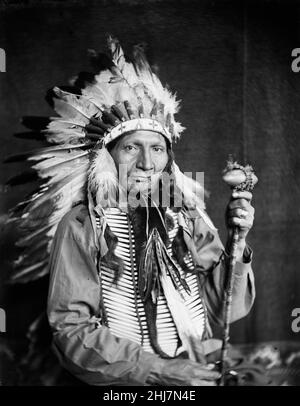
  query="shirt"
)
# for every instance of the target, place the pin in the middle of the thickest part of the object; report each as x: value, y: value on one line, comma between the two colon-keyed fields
x: 88, y: 349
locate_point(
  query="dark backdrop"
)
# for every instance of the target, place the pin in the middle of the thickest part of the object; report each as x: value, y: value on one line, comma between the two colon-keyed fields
x: 230, y: 63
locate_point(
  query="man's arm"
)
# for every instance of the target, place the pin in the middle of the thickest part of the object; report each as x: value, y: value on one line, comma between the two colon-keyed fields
x: 92, y: 354
x: 209, y: 255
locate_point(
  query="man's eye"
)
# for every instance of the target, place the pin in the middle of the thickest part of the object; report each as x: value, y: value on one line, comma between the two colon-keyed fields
x: 129, y: 148
x: 158, y: 149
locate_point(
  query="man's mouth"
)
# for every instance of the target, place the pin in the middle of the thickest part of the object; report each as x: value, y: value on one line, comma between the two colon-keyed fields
x: 142, y: 181
x: 139, y: 179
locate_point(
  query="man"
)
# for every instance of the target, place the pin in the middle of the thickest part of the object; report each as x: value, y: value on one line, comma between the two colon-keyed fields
x: 137, y: 269
x: 107, y: 349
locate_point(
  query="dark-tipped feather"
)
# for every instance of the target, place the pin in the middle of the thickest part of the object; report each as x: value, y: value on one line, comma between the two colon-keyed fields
x: 94, y: 137
x: 46, y: 150
x: 31, y: 135
x: 109, y: 118
x: 94, y: 129
x: 149, y: 269
x: 24, y: 177
x: 120, y: 112
x: 35, y: 123
x: 99, y: 123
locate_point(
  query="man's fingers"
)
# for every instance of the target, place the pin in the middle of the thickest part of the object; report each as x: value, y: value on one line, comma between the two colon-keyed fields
x: 241, y: 213
x: 208, y: 374
x: 242, y: 195
x: 240, y: 204
x: 238, y: 222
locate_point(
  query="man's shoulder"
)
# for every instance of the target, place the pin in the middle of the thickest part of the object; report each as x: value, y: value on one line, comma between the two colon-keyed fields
x: 76, y: 219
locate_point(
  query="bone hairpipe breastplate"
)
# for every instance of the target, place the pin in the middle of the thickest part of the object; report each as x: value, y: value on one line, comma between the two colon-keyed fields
x: 123, y: 305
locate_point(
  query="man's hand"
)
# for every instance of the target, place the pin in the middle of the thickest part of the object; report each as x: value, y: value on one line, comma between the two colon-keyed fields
x: 240, y: 214
x: 183, y: 372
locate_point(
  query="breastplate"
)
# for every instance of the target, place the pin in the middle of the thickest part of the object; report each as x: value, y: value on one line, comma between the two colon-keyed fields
x: 123, y: 305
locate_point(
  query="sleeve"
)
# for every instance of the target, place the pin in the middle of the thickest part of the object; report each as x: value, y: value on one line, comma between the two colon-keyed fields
x: 87, y: 350
x: 212, y: 262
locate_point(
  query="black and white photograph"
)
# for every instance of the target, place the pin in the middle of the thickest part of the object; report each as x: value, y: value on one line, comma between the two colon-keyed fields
x: 149, y: 196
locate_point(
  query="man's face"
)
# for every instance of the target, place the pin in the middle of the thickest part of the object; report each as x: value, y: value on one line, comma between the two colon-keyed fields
x: 145, y: 155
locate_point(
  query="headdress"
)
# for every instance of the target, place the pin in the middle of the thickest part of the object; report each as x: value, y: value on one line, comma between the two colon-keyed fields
x: 94, y: 111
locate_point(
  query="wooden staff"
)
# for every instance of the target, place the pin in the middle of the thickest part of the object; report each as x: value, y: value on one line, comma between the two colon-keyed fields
x: 239, y: 178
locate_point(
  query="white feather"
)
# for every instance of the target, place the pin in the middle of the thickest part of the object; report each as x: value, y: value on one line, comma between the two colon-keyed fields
x: 103, y: 178
x: 73, y: 107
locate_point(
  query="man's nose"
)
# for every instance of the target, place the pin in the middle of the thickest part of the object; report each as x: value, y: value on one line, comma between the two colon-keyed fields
x: 144, y: 161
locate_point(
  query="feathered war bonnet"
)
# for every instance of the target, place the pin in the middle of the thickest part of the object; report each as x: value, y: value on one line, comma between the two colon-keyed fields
x: 93, y: 112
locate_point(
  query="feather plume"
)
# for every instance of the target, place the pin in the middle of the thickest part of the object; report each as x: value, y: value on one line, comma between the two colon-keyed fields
x: 103, y: 179
x: 123, y: 69
x: 71, y: 106
x: 148, y: 271
x: 166, y: 262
